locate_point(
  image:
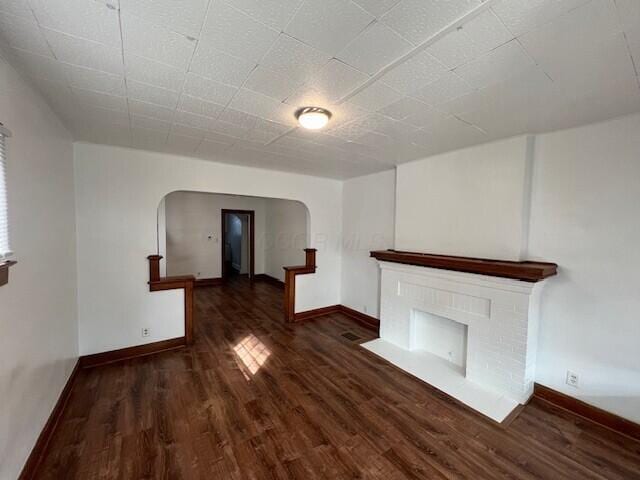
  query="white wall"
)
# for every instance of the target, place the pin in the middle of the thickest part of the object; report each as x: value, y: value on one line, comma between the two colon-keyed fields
x: 585, y: 217
x: 468, y: 202
x: 368, y: 205
x: 286, y: 236
x: 38, y: 318
x: 117, y: 195
x: 193, y: 217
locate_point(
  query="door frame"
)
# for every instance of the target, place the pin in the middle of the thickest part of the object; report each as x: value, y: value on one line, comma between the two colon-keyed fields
x: 252, y: 239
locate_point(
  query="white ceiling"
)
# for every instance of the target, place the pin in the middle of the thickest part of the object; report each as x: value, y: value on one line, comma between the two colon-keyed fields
x: 221, y: 79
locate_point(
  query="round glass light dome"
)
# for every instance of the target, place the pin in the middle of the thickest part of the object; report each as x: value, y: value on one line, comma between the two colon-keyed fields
x: 313, y: 118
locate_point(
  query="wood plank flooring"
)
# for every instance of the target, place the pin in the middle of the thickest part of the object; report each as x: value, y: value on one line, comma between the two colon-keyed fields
x: 255, y: 398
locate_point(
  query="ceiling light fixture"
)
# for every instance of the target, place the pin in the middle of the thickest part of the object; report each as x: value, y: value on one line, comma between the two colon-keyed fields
x: 313, y: 118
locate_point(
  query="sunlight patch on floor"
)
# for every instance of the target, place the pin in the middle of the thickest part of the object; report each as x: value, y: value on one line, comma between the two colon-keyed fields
x: 252, y: 352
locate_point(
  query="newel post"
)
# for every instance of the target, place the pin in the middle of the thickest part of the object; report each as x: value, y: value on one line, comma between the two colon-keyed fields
x: 310, y: 257
x: 154, y: 267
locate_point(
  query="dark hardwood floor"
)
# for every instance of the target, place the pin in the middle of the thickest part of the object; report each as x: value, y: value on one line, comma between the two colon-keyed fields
x: 255, y: 398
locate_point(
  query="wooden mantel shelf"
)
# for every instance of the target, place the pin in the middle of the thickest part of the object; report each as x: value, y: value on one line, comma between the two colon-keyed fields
x: 526, y: 271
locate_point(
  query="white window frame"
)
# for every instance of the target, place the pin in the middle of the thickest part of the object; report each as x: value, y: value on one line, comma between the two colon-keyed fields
x: 5, y: 247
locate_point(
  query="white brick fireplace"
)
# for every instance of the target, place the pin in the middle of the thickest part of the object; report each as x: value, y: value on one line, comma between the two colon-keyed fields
x: 472, y: 336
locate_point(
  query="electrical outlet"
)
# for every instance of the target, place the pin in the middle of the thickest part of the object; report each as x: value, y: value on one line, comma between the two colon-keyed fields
x: 572, y: 379
x: 146, y: 332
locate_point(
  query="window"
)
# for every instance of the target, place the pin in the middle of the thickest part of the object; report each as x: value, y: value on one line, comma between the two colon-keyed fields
x: 5, y: 250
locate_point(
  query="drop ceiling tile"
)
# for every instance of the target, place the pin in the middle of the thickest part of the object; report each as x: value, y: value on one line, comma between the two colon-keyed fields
x: 86, y: 53
x: 232, y: 31
x: 375, y: 96
x: 23, y: 34
x: 151, y: 110
x: 509, y: 107
x: 19, y: 8
x: 307, y: 95
x: 91, y: 114
x: 262, y: 106
x: 295, y: 146
x: 404, y: 108
x: 418, y: 20
x: 237, y: 117
x: 521, y: 16
x: 184, y: 16
x: 335, y: 80
x: 219, y: 66
x: 349, y: 131
x: 448, y: 135
x: 577, y: 30
x: 291, y: 57
x: 376, y: 140
x: 229, y: 129
x: 209, y: 90
x: 475, y: 38
x: 266, y: 131
x: 501, y: 63
x: 193, y: 120
x: 261, y: 137
x: 375, y: 48
x: 273, y: 84
x: 151, y: 94
x: 89, y: 79
x: 583, y: 50
x: 150, y: 123
x: 272, y: 128
x: 154, y: 73
x: 321, y: 138
x: 81, y: 18
x: 328, y: 25
x: 396, y: 129
x: 253, y: 144
x: 596, y: 106
x: 274, y: 13
x: 181, y: 144
x: 220, y: 138
x: 629, y: 13
x: 40, y: 66
x: 145, y: 39
x: 362, y: 152
x: 578, y: 70
x: 372, y: 122
x: 377, y: 8
x: 445, y: 89
x: 426, y: 117
x: 418, y: 71
x: 102, y: 100
x: 198, y: 106
x: 184, y: 130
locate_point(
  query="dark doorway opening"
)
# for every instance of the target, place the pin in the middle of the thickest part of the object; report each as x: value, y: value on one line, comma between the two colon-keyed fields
x: 234, y: 221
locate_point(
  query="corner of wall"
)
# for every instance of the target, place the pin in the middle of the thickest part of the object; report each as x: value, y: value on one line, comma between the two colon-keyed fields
x: 527, y: 191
